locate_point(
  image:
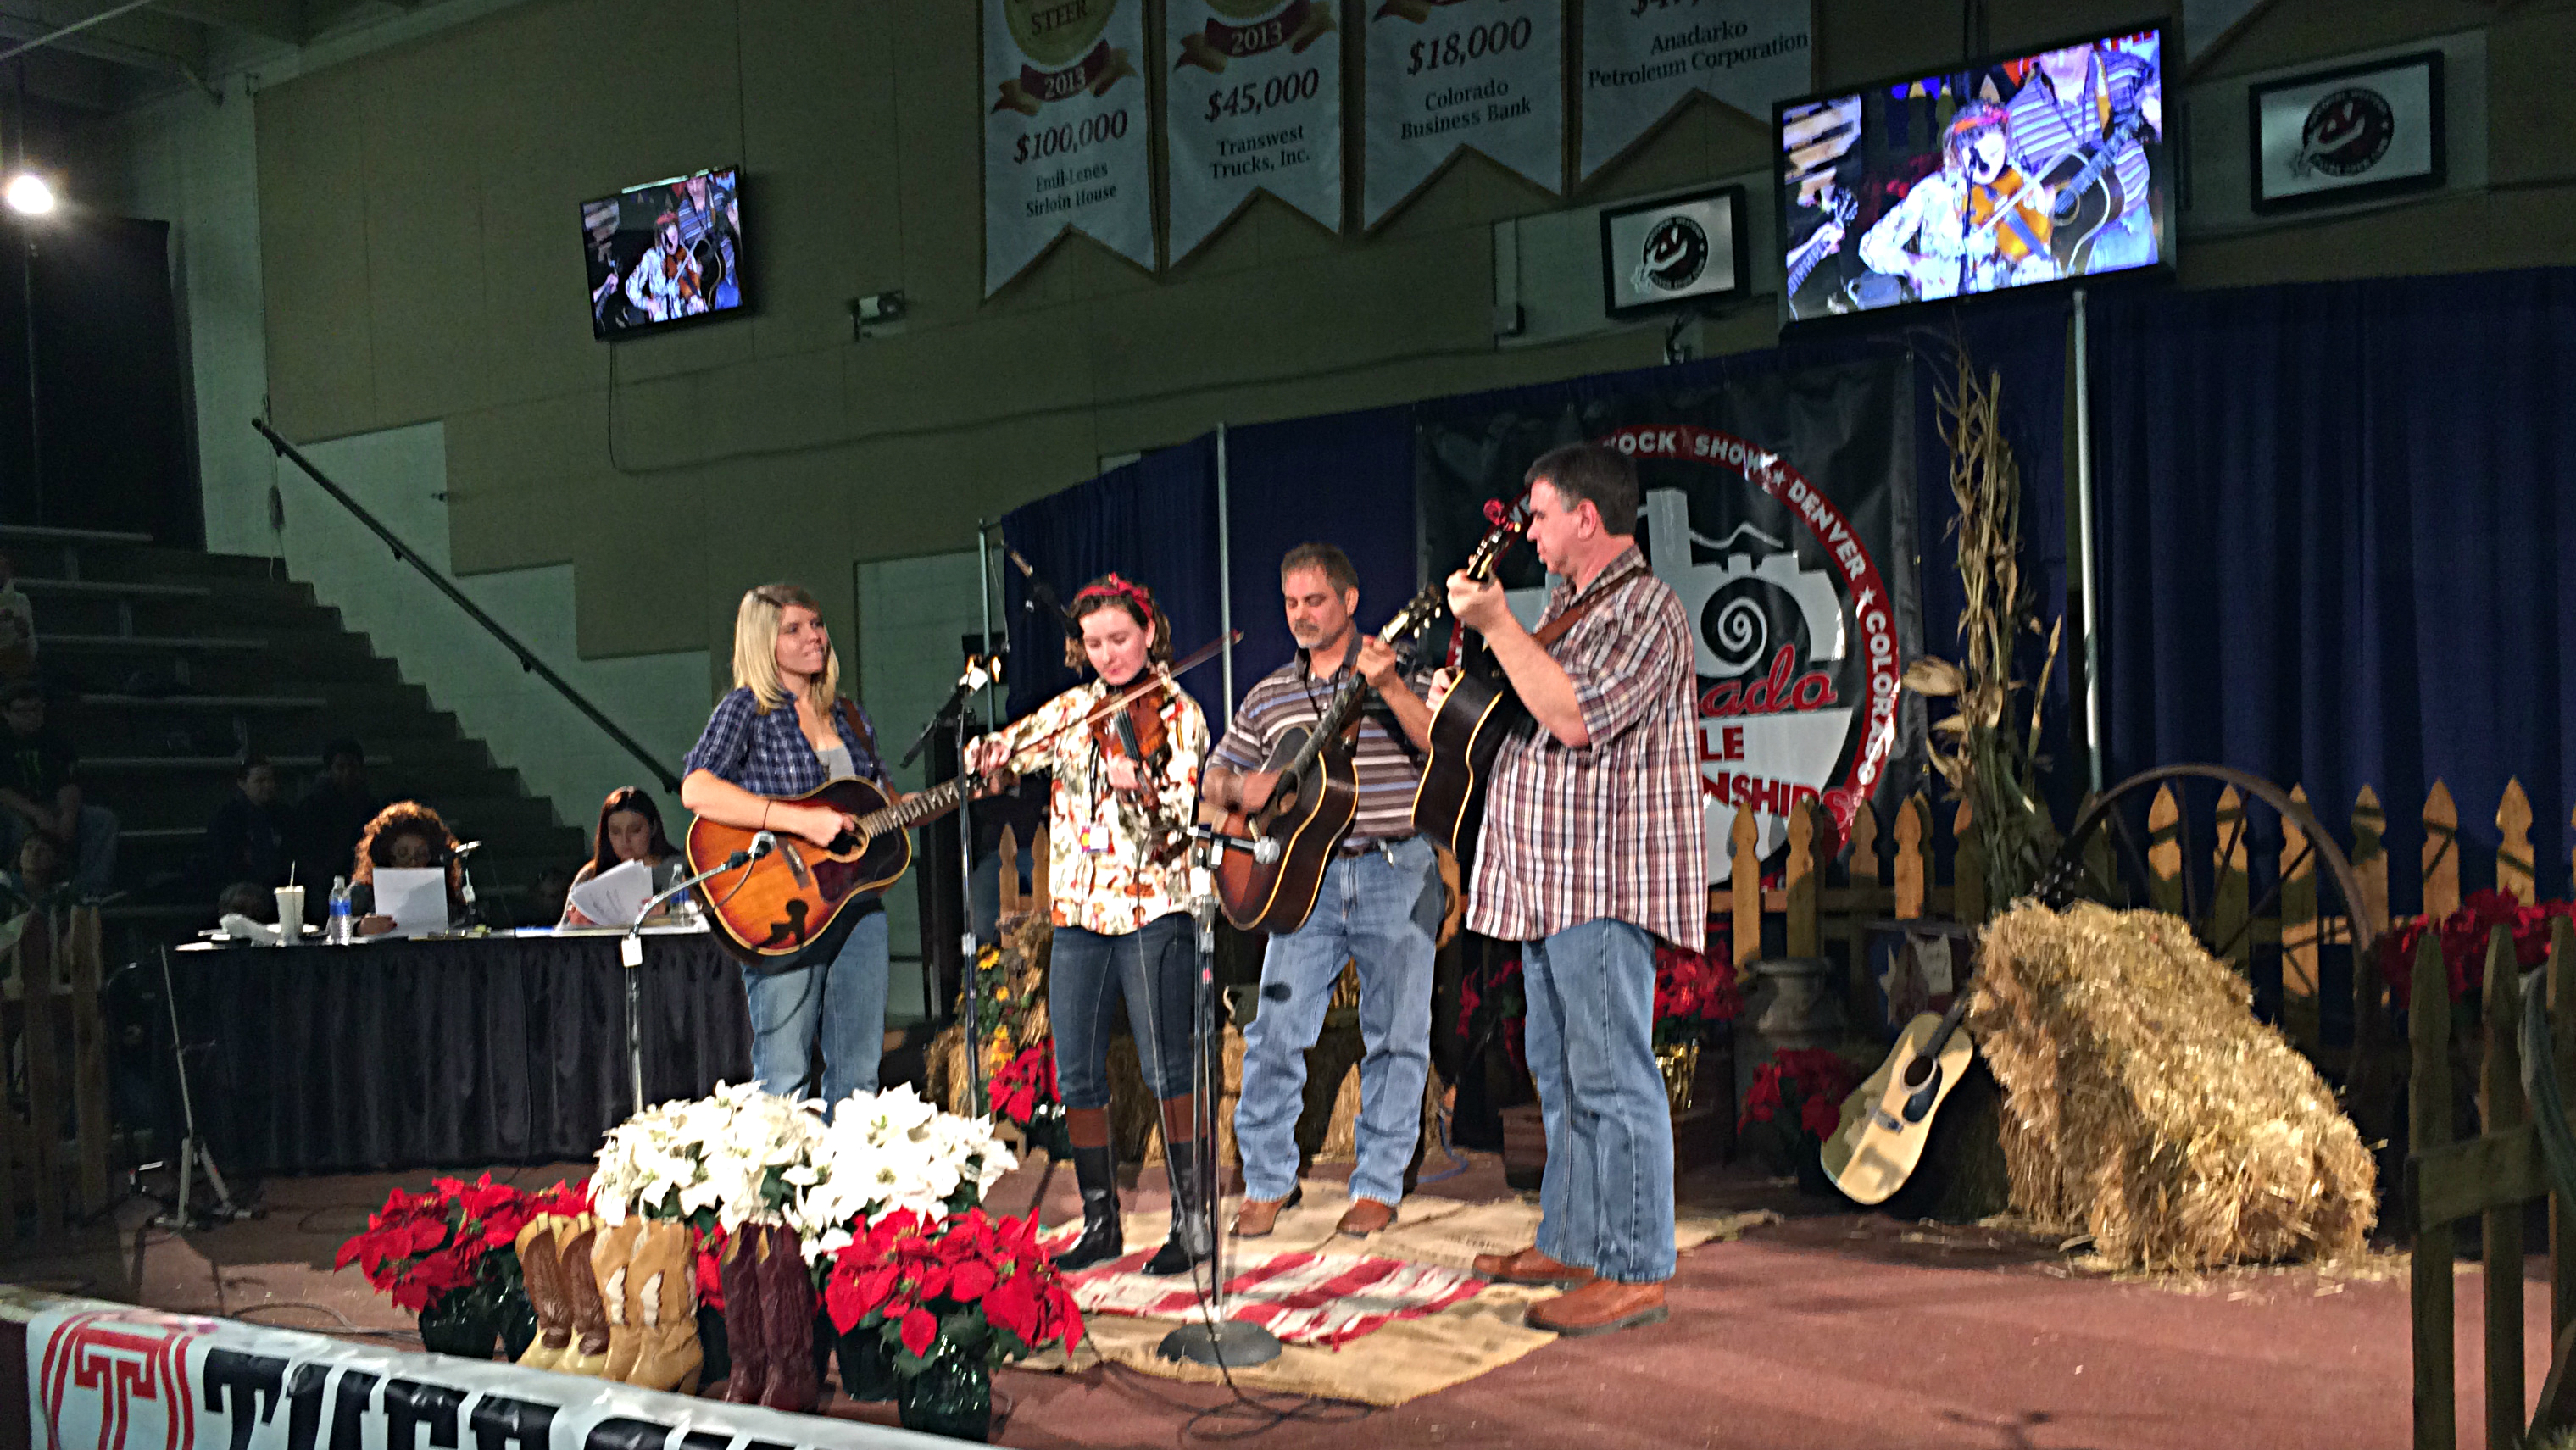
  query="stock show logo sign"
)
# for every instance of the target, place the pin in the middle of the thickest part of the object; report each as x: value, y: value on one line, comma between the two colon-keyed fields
x: 2346, y: 133
x: 1676, y: 252
x: 1796, y: 635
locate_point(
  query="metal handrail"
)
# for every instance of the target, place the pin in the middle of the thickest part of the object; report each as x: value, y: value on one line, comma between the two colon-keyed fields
x: 527, y: 660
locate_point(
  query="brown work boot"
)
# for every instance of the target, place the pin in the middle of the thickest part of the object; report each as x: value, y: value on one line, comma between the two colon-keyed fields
x: 1365, y: 1216
x: 1529, y: 1266
x: 1258, y: 1216
x: 1600, y: 1307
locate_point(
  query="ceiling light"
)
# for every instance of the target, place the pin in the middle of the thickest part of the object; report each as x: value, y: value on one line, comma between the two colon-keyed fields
x: 28, y: 195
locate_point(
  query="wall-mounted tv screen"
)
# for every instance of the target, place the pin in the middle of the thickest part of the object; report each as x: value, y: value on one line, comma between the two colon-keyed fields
x: 2016, y: 171
x: 664, y: 252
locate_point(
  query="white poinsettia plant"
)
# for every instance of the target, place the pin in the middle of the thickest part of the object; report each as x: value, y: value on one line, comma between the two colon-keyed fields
x: 732, y: 1158
x: 889, y: 1150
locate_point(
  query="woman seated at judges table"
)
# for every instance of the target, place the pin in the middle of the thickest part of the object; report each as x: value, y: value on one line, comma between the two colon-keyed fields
x: 784, y: 731
x: 404, y: 836
x: 630, y: 829
x: 1121, y: 884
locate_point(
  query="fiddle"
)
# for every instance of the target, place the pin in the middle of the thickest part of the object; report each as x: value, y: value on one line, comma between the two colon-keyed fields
x: 2020, y: 227
x: 1137, y: 734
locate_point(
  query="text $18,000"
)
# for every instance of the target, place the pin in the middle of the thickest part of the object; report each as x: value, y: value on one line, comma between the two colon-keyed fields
x: 1066, y: 139
x: 1473, y: 43
x: 1251, y: 99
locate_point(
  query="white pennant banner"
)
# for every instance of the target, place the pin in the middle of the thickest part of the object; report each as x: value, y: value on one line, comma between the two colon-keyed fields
x: 1449, y: 73
x: 1254, y: 102
x: 1641, y: 58
x: 1065, y: 138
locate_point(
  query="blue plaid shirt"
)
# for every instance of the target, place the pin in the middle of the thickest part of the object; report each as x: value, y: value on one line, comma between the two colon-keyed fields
x: 769, y: 754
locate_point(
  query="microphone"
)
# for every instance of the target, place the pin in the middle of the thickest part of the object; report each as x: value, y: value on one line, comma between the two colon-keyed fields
x: 762, y: 843
x: 1040, y: 596
x: 1262, y: 849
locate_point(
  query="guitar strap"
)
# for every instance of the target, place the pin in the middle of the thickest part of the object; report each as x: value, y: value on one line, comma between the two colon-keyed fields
x: 1555, y: 629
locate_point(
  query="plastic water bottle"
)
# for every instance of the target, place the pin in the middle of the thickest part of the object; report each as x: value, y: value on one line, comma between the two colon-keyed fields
x: 341, y: 928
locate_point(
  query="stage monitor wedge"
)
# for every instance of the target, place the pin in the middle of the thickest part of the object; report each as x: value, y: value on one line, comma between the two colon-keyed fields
x: 2040, y: 168
x: 665, y: 253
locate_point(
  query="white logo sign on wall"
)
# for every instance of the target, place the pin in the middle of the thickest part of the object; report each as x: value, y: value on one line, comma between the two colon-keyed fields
x: 1641, y: 58
x: 1065, y: 136
x: 1443, y: 74
x: 1254, y: 103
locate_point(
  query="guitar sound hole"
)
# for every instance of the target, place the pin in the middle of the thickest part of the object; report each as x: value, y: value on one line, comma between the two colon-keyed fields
x: 1918, y: 1072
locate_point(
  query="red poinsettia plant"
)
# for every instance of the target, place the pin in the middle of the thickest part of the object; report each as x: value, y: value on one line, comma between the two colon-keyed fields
x: 1695, y: 995
x: 1501, y: 993
x: 1024, y: 1092
x: 1795, y: 1103
x: 970, y: 1284
x: 2463, y: 935
x: 421, y: 1247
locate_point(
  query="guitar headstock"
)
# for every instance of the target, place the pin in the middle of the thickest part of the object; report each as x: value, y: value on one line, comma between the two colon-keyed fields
x: 1509, y: 522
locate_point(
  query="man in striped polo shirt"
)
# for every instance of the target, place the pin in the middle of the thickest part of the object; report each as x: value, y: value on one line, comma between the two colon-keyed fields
x: 1380, y: 905
x: 2073, y: 100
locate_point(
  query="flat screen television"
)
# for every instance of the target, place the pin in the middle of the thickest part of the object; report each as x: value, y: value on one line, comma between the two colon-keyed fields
x: 2045, y: 167
x: 666, y: 252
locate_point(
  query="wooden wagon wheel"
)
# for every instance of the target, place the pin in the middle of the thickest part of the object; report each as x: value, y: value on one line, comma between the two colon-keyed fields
x: 2138, y: 845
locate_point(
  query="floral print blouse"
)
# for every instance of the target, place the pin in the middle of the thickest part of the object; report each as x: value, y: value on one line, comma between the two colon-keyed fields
x: 1102, y: 872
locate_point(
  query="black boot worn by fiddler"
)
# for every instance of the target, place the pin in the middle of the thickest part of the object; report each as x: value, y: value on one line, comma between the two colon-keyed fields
x: 1193, y: 1225
x: 1096, y: 1171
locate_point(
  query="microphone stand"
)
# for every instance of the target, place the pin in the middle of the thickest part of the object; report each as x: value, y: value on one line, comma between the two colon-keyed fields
x: 630, y: 953
x: 1214, y: 1340
x: 464, y: 859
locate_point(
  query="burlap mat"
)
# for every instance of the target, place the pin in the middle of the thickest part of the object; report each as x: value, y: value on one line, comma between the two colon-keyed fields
x: 1407, y: 1358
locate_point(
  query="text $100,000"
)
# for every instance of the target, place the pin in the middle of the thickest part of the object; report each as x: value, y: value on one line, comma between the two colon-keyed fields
x: 1067, y: 139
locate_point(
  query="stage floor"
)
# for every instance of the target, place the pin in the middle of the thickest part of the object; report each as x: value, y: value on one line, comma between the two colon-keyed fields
x: 1823, y: 1330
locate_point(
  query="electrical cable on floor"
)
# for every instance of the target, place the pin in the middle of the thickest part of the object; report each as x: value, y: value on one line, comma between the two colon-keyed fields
x: 349, y: 1328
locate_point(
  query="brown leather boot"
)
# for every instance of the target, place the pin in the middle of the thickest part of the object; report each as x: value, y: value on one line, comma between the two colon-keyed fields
x: 611, y: 1255
x: 787, y: 1325
x: 1529, y: 1266
x: 1600, y: 1307
x: 543, y: 1272
x: 589, y: 1352
x: 1258, y: 1216
x: 739, y: 1267
x: 661, y: 1297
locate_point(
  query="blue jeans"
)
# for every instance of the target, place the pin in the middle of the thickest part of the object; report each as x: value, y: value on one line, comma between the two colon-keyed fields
x: 1383, y: 909
x: 1154, y: 970
x: 2129, y: 241
x: 834, y: 996
x: 1606, y: 1203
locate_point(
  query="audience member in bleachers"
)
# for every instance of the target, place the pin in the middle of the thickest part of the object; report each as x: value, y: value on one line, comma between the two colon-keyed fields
x: 37, y: 875
x: 404, y: 835
x: 40, y: 792
x: 17, y: 625
x: 630, y: 829
x: 247, y: 840
x: 334, y: 813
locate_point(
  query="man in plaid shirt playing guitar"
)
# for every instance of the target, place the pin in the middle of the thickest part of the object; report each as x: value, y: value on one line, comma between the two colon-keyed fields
x: 1593, y: 847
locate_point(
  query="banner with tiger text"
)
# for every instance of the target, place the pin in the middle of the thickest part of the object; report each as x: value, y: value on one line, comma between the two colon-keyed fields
x: 1642, y: 58
x: 1065, y: 131
x: 1254, y: 103
x: 1443, y: 74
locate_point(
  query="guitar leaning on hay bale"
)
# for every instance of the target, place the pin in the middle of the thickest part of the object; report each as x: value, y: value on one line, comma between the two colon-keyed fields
x: 1888, y: 1118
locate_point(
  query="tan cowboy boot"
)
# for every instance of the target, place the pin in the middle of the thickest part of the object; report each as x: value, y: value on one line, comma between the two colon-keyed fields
x: 610, y: 1260
x: 589, y: 1352
x: 542, y: 1269
x: 661, y: 1292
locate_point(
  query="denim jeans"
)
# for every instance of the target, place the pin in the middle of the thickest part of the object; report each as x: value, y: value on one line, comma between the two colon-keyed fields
x: 1606, y: 1203
x: 833, y: 995
x: 1154, y: 970
x: 1383, y: 909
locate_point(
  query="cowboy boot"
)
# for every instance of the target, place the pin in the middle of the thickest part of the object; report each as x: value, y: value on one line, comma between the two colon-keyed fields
x: 1193, y: 1236
x: 542, y: 1270
x: 787, y: 1325
x: 612, y: 1256
x: 662, y: 1311
x: 1095, y: 1171
x: 740, y: 1268
x: 589, y: 1353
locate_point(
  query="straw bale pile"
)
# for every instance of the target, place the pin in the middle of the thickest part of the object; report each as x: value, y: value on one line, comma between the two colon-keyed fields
x: 2144, y: 1104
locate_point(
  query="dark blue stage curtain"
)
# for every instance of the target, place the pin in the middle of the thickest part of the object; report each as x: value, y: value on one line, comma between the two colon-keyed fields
x: 1153, y: 521
x: 1346, y: 479
x: 2338, y: 535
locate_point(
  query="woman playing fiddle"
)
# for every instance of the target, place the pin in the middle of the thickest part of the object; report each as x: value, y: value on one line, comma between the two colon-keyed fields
x: 1124, y: 792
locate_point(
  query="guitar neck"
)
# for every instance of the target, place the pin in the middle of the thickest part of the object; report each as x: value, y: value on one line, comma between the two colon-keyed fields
x: 916, y: 808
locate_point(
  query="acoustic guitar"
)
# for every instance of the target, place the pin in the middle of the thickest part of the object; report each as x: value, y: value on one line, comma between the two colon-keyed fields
x: 1888, y: 1118
x: 1474, y: 717
x: 1314, y: 797
x: 2088, y: 192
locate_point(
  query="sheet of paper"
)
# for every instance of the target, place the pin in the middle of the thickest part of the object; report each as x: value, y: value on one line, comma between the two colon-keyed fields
x: 415, y: 899
x: 616, y: 896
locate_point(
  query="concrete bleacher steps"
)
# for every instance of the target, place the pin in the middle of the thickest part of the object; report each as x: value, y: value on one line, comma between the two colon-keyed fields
x: 170, y: 663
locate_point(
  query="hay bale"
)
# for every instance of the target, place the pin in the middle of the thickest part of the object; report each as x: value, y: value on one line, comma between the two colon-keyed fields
x: 2144, y: 1104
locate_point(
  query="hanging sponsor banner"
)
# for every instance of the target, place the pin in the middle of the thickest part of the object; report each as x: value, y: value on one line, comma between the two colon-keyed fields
x: 1780, y: 509
x: 1449, y: 73
x: 134, y: 1379
x: 1254, y: 102
x: 1641, y: 58
x: 1065, y: 131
